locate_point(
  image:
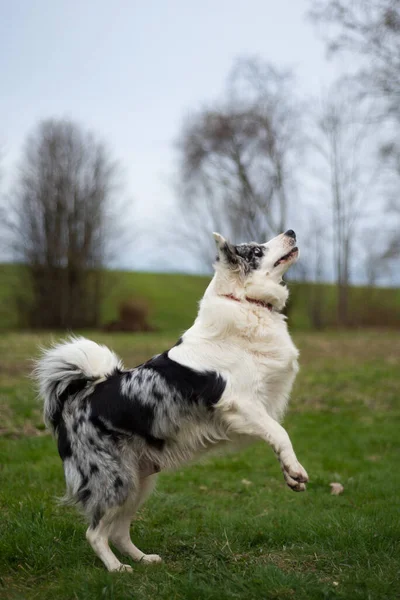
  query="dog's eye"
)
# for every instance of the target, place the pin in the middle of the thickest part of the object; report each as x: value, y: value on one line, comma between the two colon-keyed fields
x: 257, y: 252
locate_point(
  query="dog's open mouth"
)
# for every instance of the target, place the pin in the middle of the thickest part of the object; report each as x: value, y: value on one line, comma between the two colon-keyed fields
x: 287, y: 257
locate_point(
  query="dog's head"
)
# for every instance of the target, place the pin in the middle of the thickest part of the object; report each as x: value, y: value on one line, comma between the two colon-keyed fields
x: 255, y: 270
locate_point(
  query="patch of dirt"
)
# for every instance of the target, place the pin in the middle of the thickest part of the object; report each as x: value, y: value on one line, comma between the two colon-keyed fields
x: 290, y: 564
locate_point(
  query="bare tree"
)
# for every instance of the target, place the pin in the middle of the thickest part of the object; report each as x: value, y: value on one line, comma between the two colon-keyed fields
x: 371, y: 30
x: 60, y: 224
x: 3, y: 229
x: 375, y: 265
x: 312, y: 268
x: 238, y: 157
x: 390, y: 155
x: 342, y: 143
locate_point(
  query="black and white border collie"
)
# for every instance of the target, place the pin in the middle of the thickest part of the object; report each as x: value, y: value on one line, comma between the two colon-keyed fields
x: 227, y: 379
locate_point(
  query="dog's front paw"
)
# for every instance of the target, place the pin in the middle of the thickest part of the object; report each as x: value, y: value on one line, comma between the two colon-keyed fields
x: 295, y: 476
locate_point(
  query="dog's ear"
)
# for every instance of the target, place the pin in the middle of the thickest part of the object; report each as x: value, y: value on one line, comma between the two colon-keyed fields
x: 226, y: 251
x: 219, y: 240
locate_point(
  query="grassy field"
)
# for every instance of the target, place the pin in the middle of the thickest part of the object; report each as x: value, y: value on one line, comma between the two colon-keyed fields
x: 229, y: 527
x: 172, y: 299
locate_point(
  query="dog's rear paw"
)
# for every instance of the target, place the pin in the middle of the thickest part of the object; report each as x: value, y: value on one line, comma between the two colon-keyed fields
x: 151, y: 558
x: 124, y: 569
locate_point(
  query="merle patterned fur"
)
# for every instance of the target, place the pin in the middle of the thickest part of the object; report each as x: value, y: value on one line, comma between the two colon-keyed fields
x: 104, y: 429
x: 246, y: 257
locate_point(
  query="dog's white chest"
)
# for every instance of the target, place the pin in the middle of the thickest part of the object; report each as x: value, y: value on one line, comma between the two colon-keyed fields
x: 268, y: 372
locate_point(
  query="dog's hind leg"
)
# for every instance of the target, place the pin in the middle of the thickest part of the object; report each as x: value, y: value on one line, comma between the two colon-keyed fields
x: 98, y: 539
x: 120, y: 526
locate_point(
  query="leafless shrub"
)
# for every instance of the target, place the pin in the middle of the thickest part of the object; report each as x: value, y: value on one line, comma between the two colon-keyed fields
x: 133, y: 315
x: 59, y: 221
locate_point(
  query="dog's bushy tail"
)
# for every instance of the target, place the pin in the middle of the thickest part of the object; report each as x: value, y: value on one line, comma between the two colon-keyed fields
x: 66, y: 368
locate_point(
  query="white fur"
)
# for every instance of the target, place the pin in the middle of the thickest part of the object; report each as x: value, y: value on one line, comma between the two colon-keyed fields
x: 85, y: 359
x: 251, y: 348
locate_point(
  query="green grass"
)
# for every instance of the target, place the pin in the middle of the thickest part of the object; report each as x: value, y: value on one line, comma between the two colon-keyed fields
x: 173, y: 298
x: 227, y: 528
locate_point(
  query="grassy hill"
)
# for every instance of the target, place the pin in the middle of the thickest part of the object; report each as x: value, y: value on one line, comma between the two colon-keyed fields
x: 173, y: 300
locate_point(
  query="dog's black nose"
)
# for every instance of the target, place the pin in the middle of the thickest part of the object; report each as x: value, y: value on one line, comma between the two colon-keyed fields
x: 290, y: 233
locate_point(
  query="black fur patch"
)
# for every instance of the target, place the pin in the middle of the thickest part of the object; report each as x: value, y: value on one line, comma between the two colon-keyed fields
x: 63, y: 443
x: 116, y: 415
x: 96, y: 517
x: 251, y: 254
x: 73, y: 388
x: 85, y: 479
x: 230, y: 254
x: 193, y: 386
x: 84, y: 495
x: 157, y: 395
x: 246, y: 256
x: 118, y: 482
x: 105, y: 429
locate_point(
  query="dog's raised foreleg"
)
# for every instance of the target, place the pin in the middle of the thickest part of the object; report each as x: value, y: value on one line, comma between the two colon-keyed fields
x: 255, y: 421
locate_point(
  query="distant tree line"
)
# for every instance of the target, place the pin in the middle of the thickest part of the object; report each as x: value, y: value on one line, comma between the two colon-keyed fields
x: 249, y: 163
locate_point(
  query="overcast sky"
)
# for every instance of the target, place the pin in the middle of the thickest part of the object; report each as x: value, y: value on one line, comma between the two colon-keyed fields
x: 132, y: 70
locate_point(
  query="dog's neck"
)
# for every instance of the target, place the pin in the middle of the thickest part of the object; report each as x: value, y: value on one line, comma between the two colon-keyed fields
x: 259, y: 293
x: 267, y: 305
x: 228, y: 309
